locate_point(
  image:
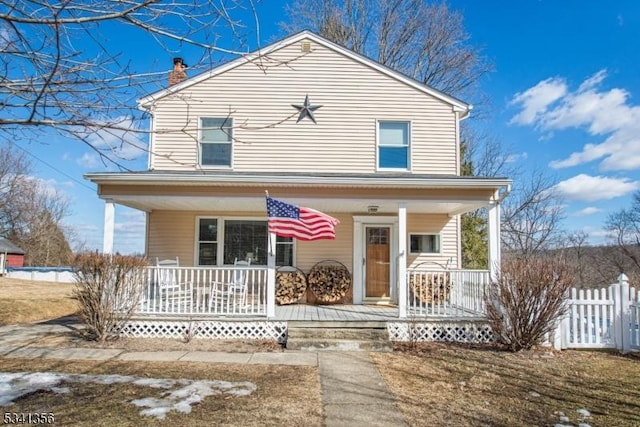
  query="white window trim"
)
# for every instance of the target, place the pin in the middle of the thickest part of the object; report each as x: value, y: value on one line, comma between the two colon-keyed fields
x: 196, y: 249
x: 359, y: 225
x: 232, y: 136
x: 438, y: 236
x: 409, y: 146
x: 220, y: 242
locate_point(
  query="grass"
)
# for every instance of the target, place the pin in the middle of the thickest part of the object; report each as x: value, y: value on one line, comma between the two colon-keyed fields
x: 439, y: 384
x: 24, y: 301
x: 285, y: 395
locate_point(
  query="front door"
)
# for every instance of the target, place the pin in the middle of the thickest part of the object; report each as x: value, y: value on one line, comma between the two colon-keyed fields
x: 378, y: 266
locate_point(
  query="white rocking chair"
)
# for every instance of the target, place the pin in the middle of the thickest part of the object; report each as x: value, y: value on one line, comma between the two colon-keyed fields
x: 173, y: 294
x: 235, y: 291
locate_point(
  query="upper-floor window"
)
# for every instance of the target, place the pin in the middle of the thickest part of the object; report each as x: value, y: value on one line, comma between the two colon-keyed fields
x: 216, y: 141
x: 393, y: 145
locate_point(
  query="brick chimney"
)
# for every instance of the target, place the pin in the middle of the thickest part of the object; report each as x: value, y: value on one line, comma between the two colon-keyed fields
x: 179, y: 73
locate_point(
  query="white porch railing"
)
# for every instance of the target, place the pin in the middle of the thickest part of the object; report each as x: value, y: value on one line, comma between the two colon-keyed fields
x: 450, y: 293
x: 195, y: 291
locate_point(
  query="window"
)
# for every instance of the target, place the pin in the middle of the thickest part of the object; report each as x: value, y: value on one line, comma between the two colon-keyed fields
x: 243, y: 240
x: 424, y: 243
x: 284, y: 251
x: 207, y: 241
x: 215, y: 141
x: 393, y: 145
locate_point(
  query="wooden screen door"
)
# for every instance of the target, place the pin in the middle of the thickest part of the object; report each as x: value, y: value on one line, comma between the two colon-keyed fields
x: 378, y: 254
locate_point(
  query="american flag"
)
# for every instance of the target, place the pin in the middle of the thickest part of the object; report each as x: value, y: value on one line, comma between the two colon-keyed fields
x: 287, y: 220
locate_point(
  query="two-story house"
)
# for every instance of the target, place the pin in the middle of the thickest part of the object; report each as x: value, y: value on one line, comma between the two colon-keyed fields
x: 315, y: 125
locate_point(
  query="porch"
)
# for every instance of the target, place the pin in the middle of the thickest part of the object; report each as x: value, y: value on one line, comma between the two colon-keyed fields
x: 242, y: 293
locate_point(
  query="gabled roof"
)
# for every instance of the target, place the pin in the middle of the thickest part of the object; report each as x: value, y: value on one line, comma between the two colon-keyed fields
x: 456, y: 104
x: 8, y: 247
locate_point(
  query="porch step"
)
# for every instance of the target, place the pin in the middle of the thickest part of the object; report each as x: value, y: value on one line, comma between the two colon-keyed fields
x: 337, y: 339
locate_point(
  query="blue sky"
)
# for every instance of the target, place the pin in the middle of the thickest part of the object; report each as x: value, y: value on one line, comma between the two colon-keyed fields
x: 565, y: 96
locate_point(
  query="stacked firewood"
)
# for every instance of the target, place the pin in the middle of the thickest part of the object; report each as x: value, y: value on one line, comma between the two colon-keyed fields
x: 291, y: 285
x: 431, y: 288
x: 329, y: 281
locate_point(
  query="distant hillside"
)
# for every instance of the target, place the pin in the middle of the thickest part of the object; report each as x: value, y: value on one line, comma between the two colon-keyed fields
x: 598, y: 266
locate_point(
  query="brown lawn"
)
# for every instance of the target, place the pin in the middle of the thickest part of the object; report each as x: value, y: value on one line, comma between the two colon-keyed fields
x: 24, y: 301
x: 285, y: 395
x: 438, y: 385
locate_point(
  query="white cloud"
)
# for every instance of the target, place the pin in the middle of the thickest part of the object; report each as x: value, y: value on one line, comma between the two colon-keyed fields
x: 120, y: 137
x: 587, y: 211
x: 514, y: 158
x: 602, y: 113
x: 130, y: 232
x: 535, y: 101
x: 591, y: 188
x: 88, y: 160
x: 49, y: 187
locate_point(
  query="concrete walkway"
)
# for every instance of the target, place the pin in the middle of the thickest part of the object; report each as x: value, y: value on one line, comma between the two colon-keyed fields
x: 353, y: 392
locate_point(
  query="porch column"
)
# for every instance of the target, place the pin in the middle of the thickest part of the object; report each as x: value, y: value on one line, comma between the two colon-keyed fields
x: 109, y: 227
x: 271, y: 277
x: 493, y: 231
x: 402, y: 260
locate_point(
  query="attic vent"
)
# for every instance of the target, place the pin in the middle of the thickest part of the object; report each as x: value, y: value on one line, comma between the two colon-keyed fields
x: 305, y: 46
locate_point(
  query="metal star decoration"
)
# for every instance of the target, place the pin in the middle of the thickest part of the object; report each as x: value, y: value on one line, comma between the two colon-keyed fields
x: 306, y: 109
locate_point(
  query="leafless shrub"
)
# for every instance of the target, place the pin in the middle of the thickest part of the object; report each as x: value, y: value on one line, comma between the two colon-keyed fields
x: 527, y: 298
x: 108, y: 288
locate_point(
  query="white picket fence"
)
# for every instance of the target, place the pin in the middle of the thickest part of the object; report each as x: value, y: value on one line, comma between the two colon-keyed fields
x: 602, y: 318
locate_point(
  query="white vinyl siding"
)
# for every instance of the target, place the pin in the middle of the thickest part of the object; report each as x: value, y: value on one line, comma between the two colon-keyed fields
x: 172, y: 234
x: 446, y: 228
x: 266, y: 137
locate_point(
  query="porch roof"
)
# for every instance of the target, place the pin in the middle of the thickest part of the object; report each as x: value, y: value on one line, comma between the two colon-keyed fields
x: 242, y: 191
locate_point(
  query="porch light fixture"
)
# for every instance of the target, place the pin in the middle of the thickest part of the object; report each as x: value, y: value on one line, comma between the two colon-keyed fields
x: 372, y: 209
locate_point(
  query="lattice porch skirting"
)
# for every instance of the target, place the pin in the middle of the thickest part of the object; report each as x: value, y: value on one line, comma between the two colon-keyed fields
x: 211, y: 329
x: 458, y: 331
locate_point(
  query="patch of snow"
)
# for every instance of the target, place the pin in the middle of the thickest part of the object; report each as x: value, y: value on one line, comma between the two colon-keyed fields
x: 584, y: 425
x: 583, y: 413
x: 564, y: 419
x: 534, y: 394
x: 185, y: 393
x: 182, y: 399
x: 563, y: 425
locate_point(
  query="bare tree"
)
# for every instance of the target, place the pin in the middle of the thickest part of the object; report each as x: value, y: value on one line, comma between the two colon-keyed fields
x: 59, y: 71
x: 14, y: 188
x: 426, y: 41
x: 532, y: 215
x: 624, y: 226
x: 31, y: 213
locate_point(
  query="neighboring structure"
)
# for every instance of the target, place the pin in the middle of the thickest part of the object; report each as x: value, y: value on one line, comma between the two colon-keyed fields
x: 316, y: 125
x: 10, y: 255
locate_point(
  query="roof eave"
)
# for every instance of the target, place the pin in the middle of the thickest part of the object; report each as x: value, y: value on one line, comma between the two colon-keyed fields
x: 231, y: 180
